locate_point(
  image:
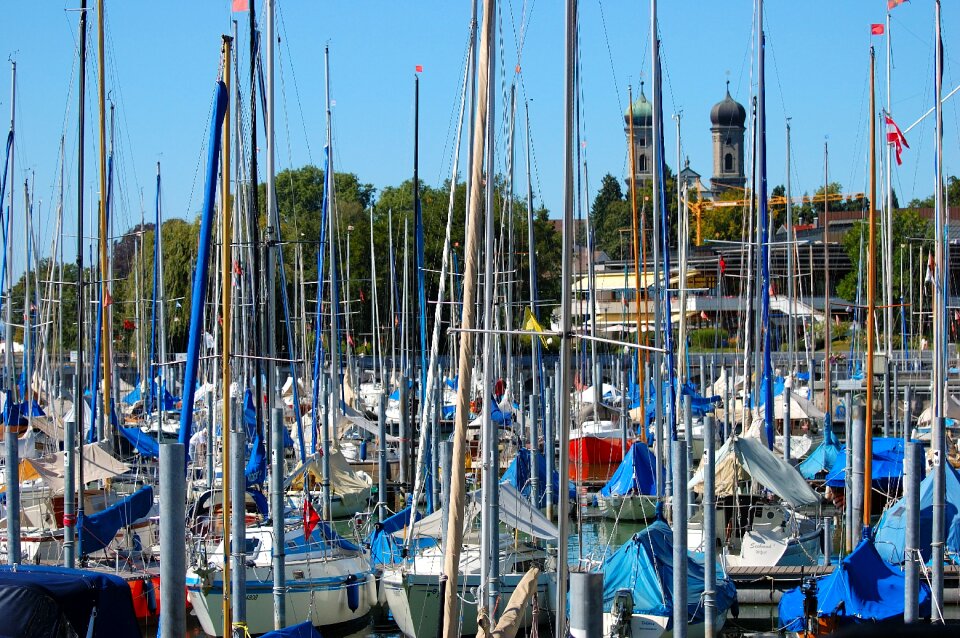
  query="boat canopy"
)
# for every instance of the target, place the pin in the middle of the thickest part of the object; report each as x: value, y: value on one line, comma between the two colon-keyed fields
x: 636, y: 474
x: 98, y: 530
x: 98, y: 464
x: 891, y: 534
x: 821, y: 459
x: 343, y: 480
x: 886, y: 466
x: 303, y: 630
x: 862, y: 588
x: 386, y: 540
x: 39, y: 600
x: 518, y: 476
x: 740, y: 458
x: 515, y: 512
x: 644, y: 566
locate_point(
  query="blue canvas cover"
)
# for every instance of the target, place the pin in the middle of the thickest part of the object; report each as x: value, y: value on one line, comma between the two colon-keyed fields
x: 97, y: 530
x: 636, y: 474
x: 699, y: 404
x: 75, y: 593
x: 887, y: 464
x: 862, y: 588
x: 385, y: 547
x: 17, y: 413
x: 145, y: 444
x: 891, y: 534
x: 644, y: 565
x: 303, y: 630
x: 518, y: 475
x: 821, y: 459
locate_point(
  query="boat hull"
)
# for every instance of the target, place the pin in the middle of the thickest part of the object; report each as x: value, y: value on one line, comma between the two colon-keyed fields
x: 594, y: 450
x: 318, y: 593
x: 628, y: 508
x: 414, y: 601
x: 653, y: 626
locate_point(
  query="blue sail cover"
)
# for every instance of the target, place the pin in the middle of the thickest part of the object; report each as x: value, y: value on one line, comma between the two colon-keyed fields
x: 636, y: 474
x: 145, y: 444
x: 17, y: 413
x: 97, y: 530
x: 821, y: 459
x: 303, y: 630
x: 27, y: 593
x: 891, y: 534
x: 385, y: 547
x: 699, y: 404
x: 886, y: 468
x: 862, y: 588
x: 644, y: 565
x: 518, y: 475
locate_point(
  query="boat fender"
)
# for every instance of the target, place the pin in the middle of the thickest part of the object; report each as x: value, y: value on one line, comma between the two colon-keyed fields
x: 353, y: 592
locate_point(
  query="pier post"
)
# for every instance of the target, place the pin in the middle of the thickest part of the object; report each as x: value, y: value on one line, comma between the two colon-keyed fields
x: 435, y: 440
x: 405, y: 434
x: 446, y: 466
x: 856, y: 497
x: 886, y: 398
x: 848, y: 478
x: 939, y: 528
x: 382, y: 470
x: 727, y: 405
x: 907, y: 412
x: 69, y: 493
x: 703, y: 376
x: 786, y: 423
x: 680, y: 618
x: 709, y: 527
x: 238, y: 532
x: 586, y: 604
x: 12, y: 461
x: 534, y: 401
x: 895, y: 393
x: 624, y: 413
x: 688, y: 452
x: 211, y: 439
x: 912, y: 460
x: 548, y: 449
x: 276, y: 511
x: 827, y: 540
x: 327, y: 406
x: 173, y: 567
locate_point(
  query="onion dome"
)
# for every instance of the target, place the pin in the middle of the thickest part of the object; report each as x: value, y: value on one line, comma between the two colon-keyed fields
x: 728, y: 112
x: 641, y: 110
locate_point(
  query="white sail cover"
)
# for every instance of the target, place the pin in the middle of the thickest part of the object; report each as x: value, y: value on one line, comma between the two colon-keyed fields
x: 515, y: 512
x: 741, y: 458
x: 98, y: 464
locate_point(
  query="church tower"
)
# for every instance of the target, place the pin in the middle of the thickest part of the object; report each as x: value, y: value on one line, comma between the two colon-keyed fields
x: 727, y: 120
x: 642, y: 113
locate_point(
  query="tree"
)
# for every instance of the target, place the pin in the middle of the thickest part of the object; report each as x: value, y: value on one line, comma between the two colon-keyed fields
x: 907, y: 227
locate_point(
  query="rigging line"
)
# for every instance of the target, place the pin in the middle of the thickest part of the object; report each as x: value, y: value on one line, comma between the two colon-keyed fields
x: 293, y: 75
x: 768, y: 43
x: 117, y: 86
x: 613, y: 70
x: 203, y: 148
x: 446, y: 168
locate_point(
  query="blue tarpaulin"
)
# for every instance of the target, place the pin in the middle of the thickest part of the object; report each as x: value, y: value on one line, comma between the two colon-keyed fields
x: 699, y: 404
x: 886, y: 466
x: 27, y: 593
x: 890, y: 537
x: 636, y: 474
x: 145, y: 444
x: 862, y: 588
x: 518, y: 475
x: 17, y: 413
x: 303, y: 630
x: 644, y: 566
x: 97, y: 530
x: 821, y: 460
x: 387, y: 549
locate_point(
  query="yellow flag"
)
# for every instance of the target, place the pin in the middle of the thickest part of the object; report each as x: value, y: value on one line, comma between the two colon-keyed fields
x: 530, y: 323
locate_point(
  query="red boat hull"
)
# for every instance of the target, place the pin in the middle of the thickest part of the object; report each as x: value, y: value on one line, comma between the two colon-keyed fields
x: 597, y: 456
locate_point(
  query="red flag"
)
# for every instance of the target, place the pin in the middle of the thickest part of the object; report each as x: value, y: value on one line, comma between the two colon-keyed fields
x: 310, y: 518
x: 895, y: 137
x: 350, y: 341
x: 876, y: 29
x: 237, y: 270
x: 108, y: 300
x: 419, y: 68
x: 703, y: 315
x: 893, y: 4
x: 362, y: 298
x: 723, y: 265
x: 240, y: 6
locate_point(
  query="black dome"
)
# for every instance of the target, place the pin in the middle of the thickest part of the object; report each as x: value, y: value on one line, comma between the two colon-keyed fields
x: 728, y: 112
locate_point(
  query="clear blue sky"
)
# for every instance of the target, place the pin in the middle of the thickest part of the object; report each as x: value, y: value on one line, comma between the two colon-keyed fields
x: 162, y: 61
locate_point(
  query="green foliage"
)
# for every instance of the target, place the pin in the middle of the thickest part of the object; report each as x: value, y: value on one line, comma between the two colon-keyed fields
x: 708, y: 338
x: 907, y: 226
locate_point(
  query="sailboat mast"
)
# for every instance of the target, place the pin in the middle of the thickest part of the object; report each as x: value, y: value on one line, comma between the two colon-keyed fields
x: 566, y: 302
x: 637, y: 273
x: 871, y: 297
x: 888, y: 221
x: 764, y: 229
x: 827, y: 330
x: 11, y: 451
x: 334, y: 387
x: 791, y: 285
x: 226, y: 233
x: 104, y: 229
x: 537, y: 396
x: 69, y: 522
x: 940, y: 298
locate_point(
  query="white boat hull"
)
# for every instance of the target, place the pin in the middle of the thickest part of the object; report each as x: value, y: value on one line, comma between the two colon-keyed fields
x: 628, y: 508
x: 652, y: 626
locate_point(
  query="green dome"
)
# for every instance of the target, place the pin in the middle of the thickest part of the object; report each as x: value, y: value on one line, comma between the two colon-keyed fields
x: 641, y: 110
